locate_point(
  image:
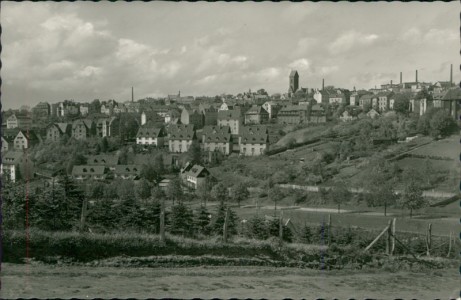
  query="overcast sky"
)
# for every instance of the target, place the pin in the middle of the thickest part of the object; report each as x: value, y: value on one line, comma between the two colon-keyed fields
x: 84, y: 50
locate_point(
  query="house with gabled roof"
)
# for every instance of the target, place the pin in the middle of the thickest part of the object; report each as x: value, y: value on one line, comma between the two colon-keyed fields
x: 194, y: 176
x: 451, y: 102
x: 7, y: 144
x: 192, y: 116
x: 15, y: 166
x: 88, y: 172
x: 83, y: 129
x: 217, y: 138
x: 383, y: 99
x: 151, y: 117
x: 231, y: 118
x: 372, y: 114
x: 180, y: 137
x: 210, y: 114
x: 253, y: 140
x: 25, y: 139
x: 317, y: 114
x: 107, y: 160
x: 366, y: 100
x: 256, y: 115
x: 55, y: 131
x: 18, y: 121
x: 127, y: 172
x: 151, y: 134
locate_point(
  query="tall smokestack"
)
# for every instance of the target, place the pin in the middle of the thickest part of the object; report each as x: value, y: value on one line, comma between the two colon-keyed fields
x: 323, y: 84
x: 391, y: 83
x: 451, y: 74
x: 132, y: 94
x: 416, y: 76
x: 400, y: 77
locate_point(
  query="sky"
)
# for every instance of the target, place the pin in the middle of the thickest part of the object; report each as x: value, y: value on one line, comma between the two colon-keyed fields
x: 54, y: 51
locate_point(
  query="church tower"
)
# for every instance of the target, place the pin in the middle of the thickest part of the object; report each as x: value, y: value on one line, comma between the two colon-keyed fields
x: 294, y: 82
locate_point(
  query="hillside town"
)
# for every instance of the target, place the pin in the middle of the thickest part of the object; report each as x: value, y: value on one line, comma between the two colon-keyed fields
x: 245, y: 124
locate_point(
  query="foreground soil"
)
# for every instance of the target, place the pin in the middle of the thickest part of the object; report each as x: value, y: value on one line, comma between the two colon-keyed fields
x: 46, y: 281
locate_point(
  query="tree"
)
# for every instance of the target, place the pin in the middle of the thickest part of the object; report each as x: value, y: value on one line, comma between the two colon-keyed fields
x: 110, y: 190
x: 217, y: 222
x: 257, y: 228
x: 240, y: 193
x: 143, y: 189
x: 274, y: 230
x: 149, y: 172
x: 412, y: 197
x: 158, y: 164
x: 58, y: 207
x: 13, y: 205
x: 340, y: 194
x: 104, y: 145
x: 345, y: 150
x: 125, y: 190
x: 102, y: 215
x: 402, y: 102
x: 130, y: 214
x: 157, y: 194
x: 195, y: 153
x: 181, y: 220
x: 220, y: 192
x: 442, y: 124
x: 262, y: 92
x: 123, y: 156
x: 152, y: 216
x: 306, y: 234
x: 204, y: 190
x: 202, y: 220
x: 174, y: 190
x: 275, y: 195
x: 380, y: 184
x: 75, y: 160
x: 95, y: 190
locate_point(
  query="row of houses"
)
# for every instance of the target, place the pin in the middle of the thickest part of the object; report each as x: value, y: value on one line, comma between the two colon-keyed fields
x: 250, y: 141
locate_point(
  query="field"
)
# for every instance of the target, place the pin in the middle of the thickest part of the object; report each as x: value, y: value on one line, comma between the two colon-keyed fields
x: 304, y: 134
x: 449, y: 148
x: 45, y: 281
x: 440, y: 226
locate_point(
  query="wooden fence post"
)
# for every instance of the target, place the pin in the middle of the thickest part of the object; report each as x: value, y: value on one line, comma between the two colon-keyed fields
x: 429, y: 239
x: 393, y: 236
x: 162, y: 222
x: 329, y: 229
x: 226, y: 226
x: 388, y: 240
x: 83, y: 214
x: 449, y: 244
x: 281, y: 226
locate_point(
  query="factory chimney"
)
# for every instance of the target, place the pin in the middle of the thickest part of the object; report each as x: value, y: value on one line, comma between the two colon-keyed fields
x: 323, y: 84
x: 132, y: 94
x: 400, y: 77
x: 416, y: 76
x: 451, y: 74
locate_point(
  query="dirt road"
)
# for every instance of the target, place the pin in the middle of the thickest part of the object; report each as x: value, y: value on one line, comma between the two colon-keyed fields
x: 221, y: 282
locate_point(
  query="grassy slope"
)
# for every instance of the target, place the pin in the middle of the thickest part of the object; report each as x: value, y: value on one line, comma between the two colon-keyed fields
x: 44, y: 281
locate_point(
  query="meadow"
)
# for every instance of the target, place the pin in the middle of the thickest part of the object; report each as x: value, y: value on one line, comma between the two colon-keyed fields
x: 45, y: 281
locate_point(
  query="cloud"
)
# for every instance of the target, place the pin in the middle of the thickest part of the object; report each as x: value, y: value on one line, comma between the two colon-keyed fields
x: 433, y: 36
x: 298, y: 12
x: 305, y: 44
x: 351, y: 40
x: 300, y: 64
x: 327, y: 70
